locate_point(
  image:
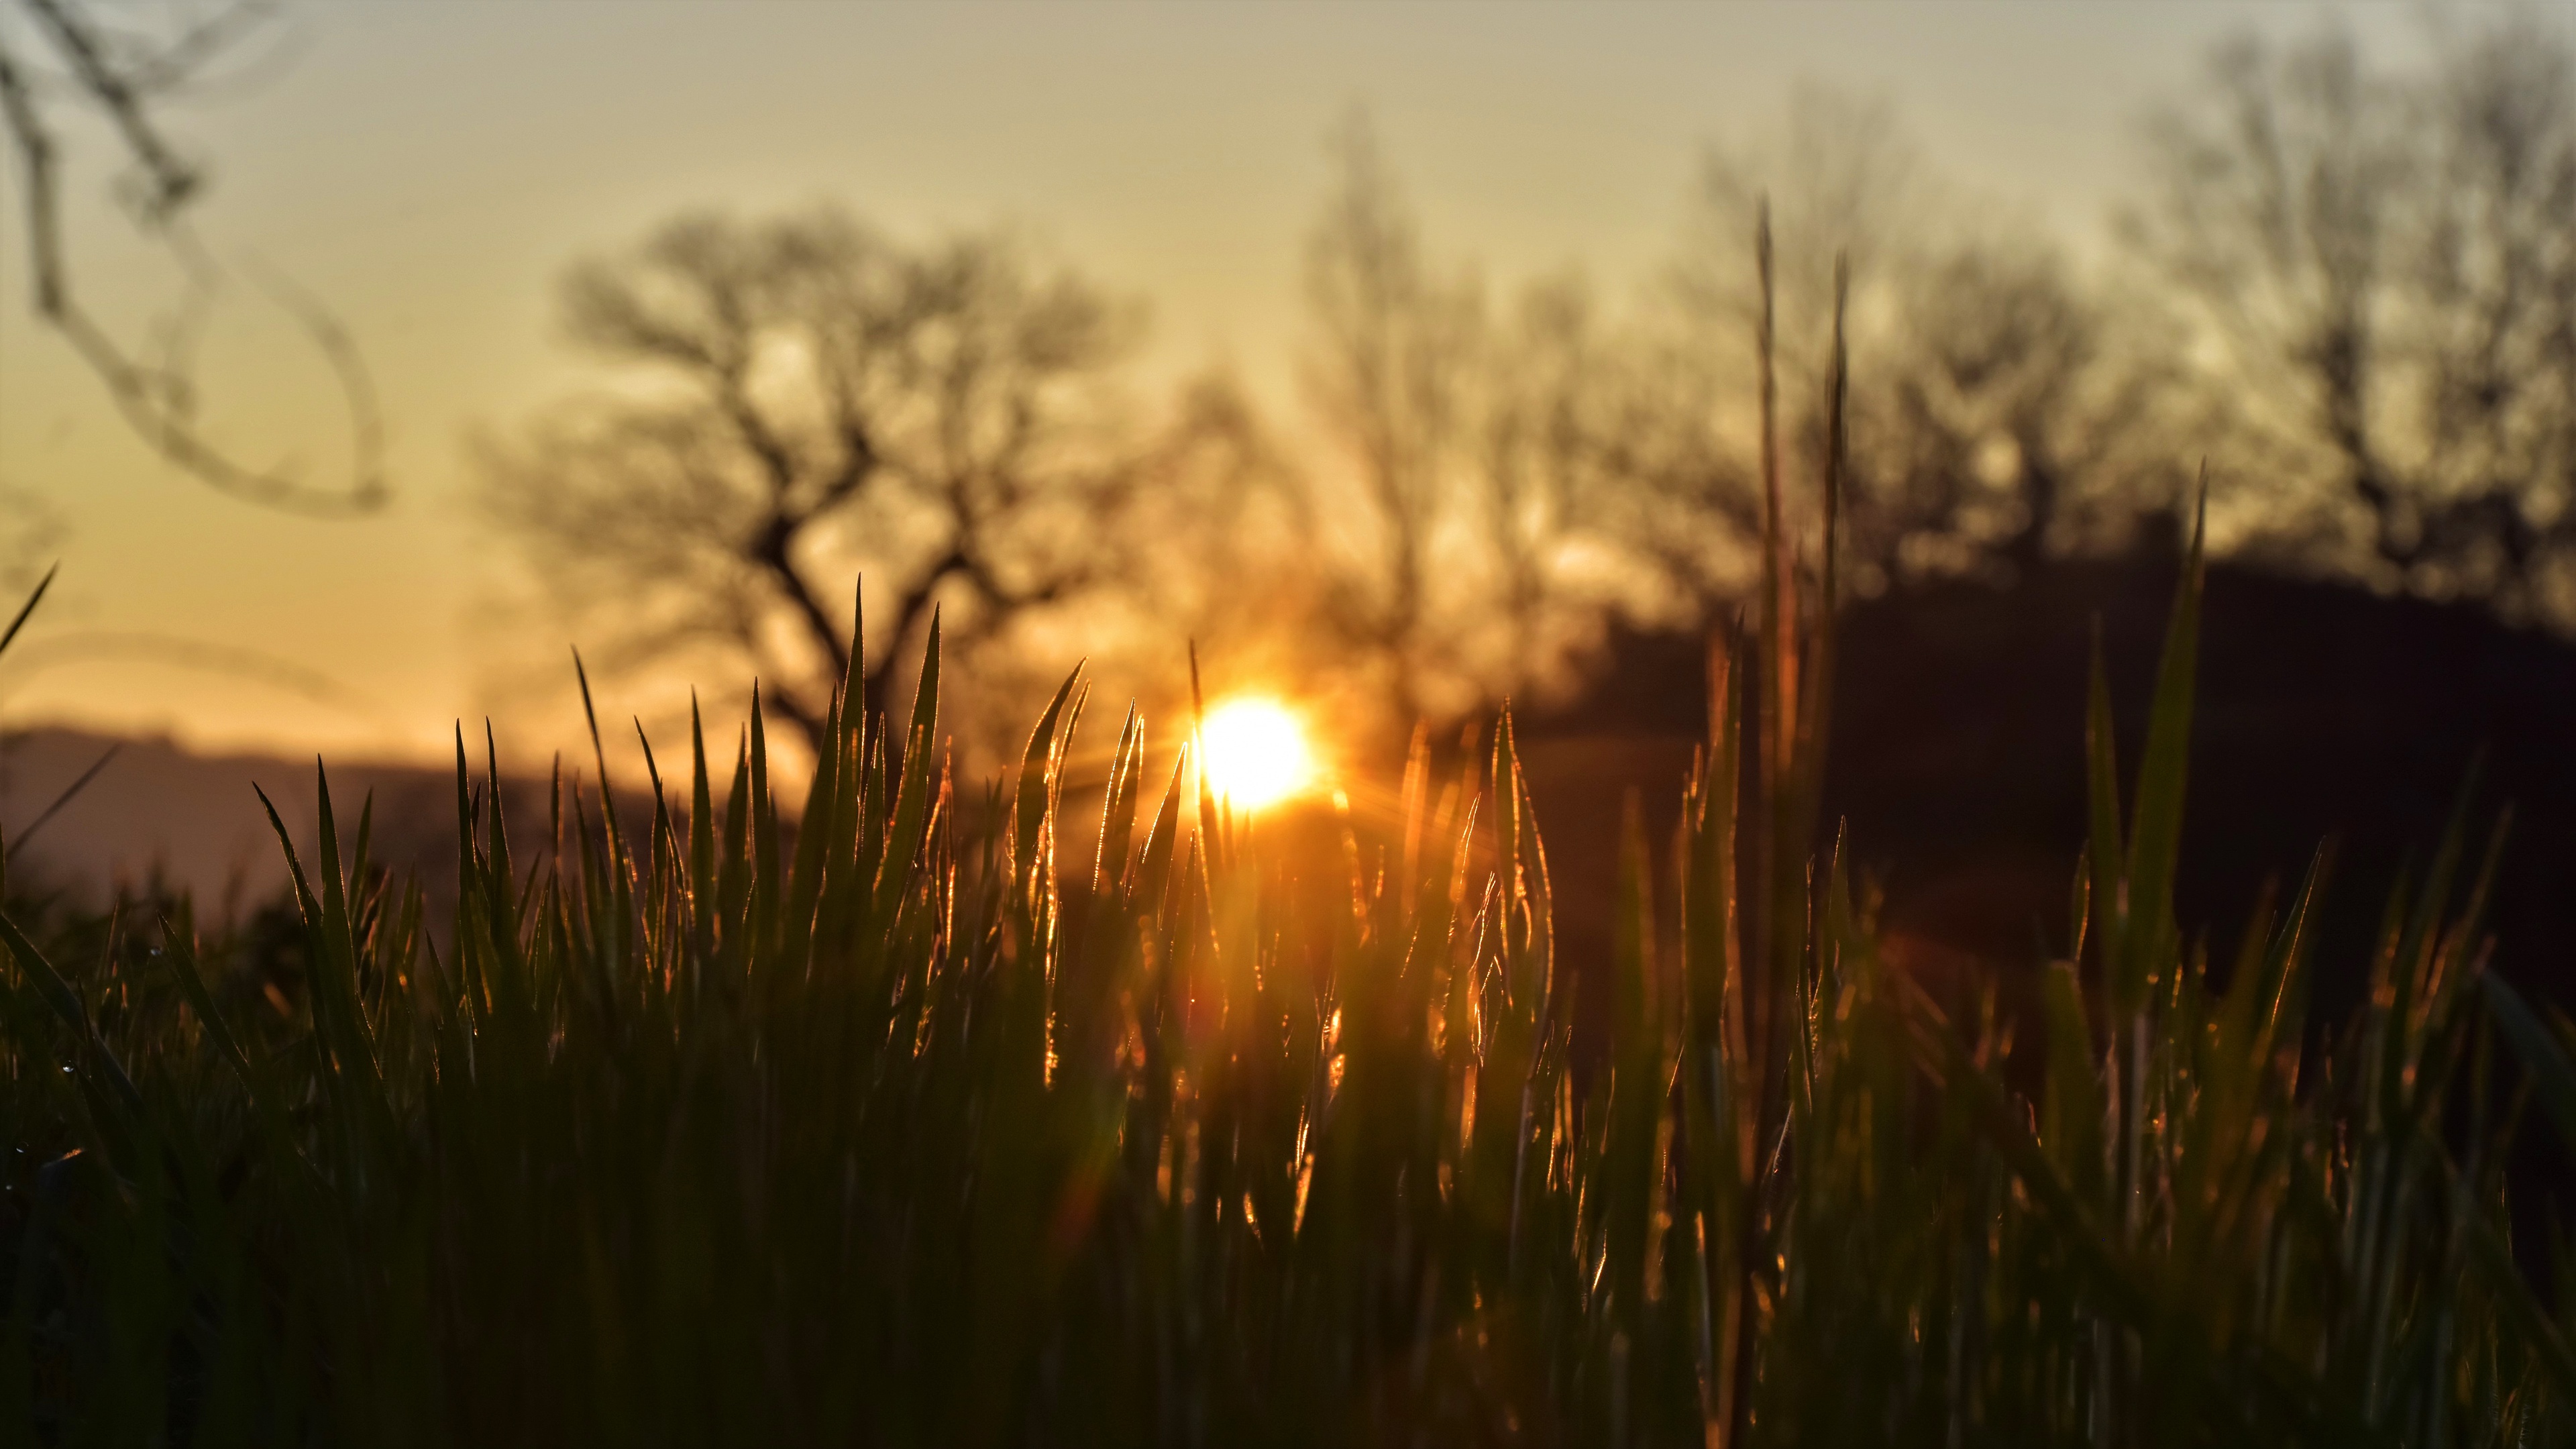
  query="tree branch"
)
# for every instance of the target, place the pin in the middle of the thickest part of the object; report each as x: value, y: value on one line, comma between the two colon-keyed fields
x: 153, y: 400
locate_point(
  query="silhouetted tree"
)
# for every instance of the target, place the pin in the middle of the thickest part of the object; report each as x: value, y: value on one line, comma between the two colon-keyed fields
x: 1390, y: 376
x: 1522, y: 475
x: 1995, y: 411
x: 58, y: 56
x: 2007, y: 425
x: 1482, y: 453
x: 802, y: 399
x: 2382, y: 267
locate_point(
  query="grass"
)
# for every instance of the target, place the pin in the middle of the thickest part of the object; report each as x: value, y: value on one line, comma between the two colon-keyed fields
x: 957, y: 1125
x: 968, y: 1119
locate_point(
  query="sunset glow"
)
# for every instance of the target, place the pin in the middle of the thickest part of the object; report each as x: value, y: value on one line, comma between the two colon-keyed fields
x: 1257, y: 752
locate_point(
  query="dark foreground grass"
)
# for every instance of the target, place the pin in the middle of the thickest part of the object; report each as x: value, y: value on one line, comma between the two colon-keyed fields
x: 937, y: 1122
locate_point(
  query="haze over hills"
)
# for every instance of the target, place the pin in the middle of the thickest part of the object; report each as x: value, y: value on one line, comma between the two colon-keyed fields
x: 195, y: 819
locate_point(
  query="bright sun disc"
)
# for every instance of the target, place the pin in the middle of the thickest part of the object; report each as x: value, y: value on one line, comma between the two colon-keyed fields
x: 1257, y: 753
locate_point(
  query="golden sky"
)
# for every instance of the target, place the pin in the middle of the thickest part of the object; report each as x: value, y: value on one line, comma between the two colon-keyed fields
x: 427, y: 170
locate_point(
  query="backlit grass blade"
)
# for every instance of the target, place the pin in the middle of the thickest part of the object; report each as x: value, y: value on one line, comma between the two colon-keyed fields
x: 2543, y: 1052
x: 2155, y: 831
x: 702, y: 840
x: 123, y: 1111
x: 1118, y: 807
x: 192, y: 984
x: 2107, y: 894
x: 912, y: 799
x: 27, y: 610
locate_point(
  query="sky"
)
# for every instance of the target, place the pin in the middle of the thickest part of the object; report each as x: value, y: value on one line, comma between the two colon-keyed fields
x: 427, y: 171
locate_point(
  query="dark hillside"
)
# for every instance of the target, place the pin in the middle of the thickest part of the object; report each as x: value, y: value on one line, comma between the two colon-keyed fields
x: 158, y: 809
x: 2323, y: 710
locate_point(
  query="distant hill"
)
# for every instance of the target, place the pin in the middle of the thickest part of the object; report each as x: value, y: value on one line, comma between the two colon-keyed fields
x: 192, y: 818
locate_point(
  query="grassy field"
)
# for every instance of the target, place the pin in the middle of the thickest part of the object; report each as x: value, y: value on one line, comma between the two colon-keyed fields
x: 950, y: 1118
x: 953, y: 1116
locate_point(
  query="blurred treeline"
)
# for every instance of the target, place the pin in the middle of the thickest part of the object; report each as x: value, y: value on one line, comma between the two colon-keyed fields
x: 2347, y: 289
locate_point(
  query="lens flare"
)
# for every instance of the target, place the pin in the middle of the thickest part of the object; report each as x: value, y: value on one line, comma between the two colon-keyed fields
x: 1257, y: 754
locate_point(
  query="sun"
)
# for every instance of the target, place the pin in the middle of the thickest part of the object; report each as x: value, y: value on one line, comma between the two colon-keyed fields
x: 1257, y: 754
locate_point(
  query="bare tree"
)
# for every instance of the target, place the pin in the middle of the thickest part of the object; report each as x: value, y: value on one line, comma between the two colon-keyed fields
x: 1526, y: 474
x: 2007, y: 423
x: 2383, y: 267
x: 1390, y: 377
x: 1487, y: 455
x: 1536, y: 461
x: 1995, y: 412
x: 803, y: 399
x: 61, y: 56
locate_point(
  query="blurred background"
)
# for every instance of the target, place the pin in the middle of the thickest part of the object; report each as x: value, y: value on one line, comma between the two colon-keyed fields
x: 359, y: 361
